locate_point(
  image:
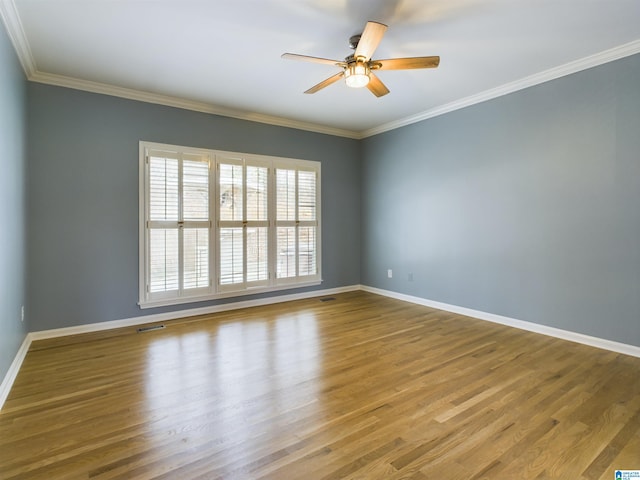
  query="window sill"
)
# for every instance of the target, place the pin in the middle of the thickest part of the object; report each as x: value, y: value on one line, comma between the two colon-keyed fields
x: 243, y: 293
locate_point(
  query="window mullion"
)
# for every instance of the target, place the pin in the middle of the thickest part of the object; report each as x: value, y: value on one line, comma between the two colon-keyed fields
x: 180, y: 225
x: 272, y: 224
x: 217, y: 224
x: 244, y: 222
x: 144, y: 230
x: 297, y: 230
x: 213, y: 225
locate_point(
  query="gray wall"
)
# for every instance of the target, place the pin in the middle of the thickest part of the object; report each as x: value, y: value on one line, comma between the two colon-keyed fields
x: 523, y: 206
x: 83, y: 192
x: 526, y: 206
x: 12, y: 203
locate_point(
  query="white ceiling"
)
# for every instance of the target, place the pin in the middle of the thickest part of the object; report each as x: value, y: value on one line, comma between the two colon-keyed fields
x: 223, y: 56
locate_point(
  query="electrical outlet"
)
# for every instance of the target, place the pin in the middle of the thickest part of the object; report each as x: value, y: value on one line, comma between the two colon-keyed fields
x: 410, y: 276
x: 22, y: 313
x: 390, y: 273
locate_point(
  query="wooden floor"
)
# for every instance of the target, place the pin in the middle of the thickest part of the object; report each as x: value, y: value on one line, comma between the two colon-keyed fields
x: 360, y: 387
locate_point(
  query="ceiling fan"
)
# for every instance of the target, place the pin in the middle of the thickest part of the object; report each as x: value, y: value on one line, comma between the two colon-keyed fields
x: 358, y: 68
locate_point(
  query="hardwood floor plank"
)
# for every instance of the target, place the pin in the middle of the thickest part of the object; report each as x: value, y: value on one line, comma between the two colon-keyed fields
x: 360, y: 387
x: 627, y: 459
x: 613, y: 448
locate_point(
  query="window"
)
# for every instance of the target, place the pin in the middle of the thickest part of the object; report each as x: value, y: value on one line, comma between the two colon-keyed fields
x: 296, y: 223
x: 243, y: 232
x: 216, y: 224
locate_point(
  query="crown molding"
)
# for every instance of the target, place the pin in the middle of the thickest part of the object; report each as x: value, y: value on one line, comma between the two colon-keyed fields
x: 13, y: 25
x: 142, y: 96
x: 591, y: 61
x: 11, y: 19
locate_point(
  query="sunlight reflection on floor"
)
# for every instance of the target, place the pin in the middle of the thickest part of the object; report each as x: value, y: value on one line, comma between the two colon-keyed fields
x: 235, y: 379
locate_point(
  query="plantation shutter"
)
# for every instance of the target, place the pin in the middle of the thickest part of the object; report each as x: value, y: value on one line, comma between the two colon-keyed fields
x: 177, y: 227
x: 217, y: 224
x: 296, y: 224
x: 243, y: 225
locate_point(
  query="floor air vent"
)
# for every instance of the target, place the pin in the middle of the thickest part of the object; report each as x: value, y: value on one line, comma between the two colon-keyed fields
x: 327, y: 299
x: 150, y: 328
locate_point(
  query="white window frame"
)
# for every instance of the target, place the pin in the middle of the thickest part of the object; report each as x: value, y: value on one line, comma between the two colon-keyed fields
x: 297, y: 223
x: 245, y: 162
x: 215, y: 290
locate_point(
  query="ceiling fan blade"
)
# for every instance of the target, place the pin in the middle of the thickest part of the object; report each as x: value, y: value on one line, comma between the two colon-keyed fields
x: 376, y: 86
x: 369, y: 40
x: 306, y: 58
x: 405, y: 63
x: 326, y: 83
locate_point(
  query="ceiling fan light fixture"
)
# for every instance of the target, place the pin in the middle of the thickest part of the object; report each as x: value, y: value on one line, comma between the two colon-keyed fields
x: 356, y: 75
x: 356, y: 69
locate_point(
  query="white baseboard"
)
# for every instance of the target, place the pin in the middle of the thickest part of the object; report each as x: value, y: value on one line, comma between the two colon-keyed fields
x: 10, y: 377
x: 618, y: 347
x: 164, y: 317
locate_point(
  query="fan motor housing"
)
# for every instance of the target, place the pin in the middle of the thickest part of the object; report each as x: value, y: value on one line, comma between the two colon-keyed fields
x: 353, y: 41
